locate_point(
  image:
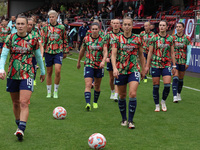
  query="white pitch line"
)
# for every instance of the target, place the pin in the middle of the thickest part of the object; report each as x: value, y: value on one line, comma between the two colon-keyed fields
x: 187, y: 87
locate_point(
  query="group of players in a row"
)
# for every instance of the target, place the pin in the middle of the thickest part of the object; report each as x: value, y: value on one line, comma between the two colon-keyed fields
x: 119, y: 49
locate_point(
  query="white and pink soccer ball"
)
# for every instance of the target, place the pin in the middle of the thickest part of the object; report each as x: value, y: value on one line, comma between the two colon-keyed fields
x: 59, y: 113
x: 97, y: 141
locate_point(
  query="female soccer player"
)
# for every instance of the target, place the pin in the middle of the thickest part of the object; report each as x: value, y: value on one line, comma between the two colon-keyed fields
x: 125, y: 50
x: 182, y: 51
x: 109, y: 37
x: 146, y: 36
x: 55, y: 42
x: 161, y: 53
x: 20, y: 72
x: 96, y: 54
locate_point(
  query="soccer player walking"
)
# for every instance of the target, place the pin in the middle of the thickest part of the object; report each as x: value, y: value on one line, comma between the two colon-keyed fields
x: 109, y: 37
x: 146, y: 36
x: 96, y: 54
x: 182, y: 49
x: 21, y: 46
x: 126, y: 70
x: 55, y: 42
x: 160, y: 56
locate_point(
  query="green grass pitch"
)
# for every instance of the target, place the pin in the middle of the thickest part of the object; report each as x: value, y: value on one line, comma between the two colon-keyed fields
x: 176, y: 129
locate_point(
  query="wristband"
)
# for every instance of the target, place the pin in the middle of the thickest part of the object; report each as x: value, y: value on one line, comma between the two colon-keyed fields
x: 173, y: 66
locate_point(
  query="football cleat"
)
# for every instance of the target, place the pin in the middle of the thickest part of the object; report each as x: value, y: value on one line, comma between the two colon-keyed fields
x: 157, y: 108
x: 123, y: 123
x: 88, y: 107
x: 112, y: 95
x: 20, y: 134
x: 131, y: 125
x: 179, y: 97
x: 175, y: 99
x: 164, y: 107
x: 48, y: 95
x: 95, y: 105
x: 55, y: 94
x: 145, y: 80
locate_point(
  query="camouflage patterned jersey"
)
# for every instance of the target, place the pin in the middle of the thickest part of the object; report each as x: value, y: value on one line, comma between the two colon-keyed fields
x: 127, y: 52
x: 161, y: 51
x: 36, y: 34
x: 94, y: 51
x: 145, y: 40
x: 109, y: 37
x: 54, y: 39
x: 4, y: 31
x: 21, y: 53
x: 89, y: 32
x: 180, y: 48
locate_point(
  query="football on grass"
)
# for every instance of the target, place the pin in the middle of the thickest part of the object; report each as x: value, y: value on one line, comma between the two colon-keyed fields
x: 97, y: 141
x: 59, y: 113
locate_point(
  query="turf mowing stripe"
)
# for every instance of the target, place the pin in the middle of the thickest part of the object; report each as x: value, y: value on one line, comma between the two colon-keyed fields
x: 187, y: 87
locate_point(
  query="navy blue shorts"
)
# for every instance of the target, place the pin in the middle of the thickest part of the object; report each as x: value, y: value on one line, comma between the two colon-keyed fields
x: 17, y: 85
x: 1, y: 45
x: 157, y: 72
x: 145, y: 55
x: 109, y: 66
x: 91, y: 72
x: 180, y: 67
x: 51, y: 59
x: 126, y: 78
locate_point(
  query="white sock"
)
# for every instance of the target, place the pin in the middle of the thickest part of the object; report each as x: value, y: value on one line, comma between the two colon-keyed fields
x: 112, y: 91
x: 157, y: 105
x: 48, y: 88
x: 56, y: 87
x: 116, y: 95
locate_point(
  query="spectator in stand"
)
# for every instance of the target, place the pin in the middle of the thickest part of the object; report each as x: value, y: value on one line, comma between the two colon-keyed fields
x: 12, y: 25
x: 141, y: 10
x: 130, y: 12
x: 67, y: 26
x: 153, y: 28
x: 82, y: 32
x: 103, y: 13
x: 111, y: 10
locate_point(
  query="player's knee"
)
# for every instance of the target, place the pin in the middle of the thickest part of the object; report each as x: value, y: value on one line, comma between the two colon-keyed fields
x: 23, y: 104
x: 57, y: 74
x: 16, y: 104
x: 132, y: 94
x: 122, y: 95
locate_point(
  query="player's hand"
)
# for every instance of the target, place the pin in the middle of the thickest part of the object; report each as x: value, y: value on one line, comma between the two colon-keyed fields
x: 64, y: 56
x: 186, y: 66
x: 102, y: 64
x: 42, y: 78
x: 146, y: 69
x: 107, y: 60
x: 3, y: 75
x: 78, y: 65
x: 115, y: 73
x: 174, y: 71
x: 13, y: 25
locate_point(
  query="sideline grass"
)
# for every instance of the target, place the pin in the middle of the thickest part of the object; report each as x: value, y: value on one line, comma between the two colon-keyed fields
x: 178, y: 128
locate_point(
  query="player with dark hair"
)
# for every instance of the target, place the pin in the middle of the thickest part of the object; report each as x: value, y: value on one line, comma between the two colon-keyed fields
x: 182, y: 49
x: 146, y: 36
x: 21, y: 46
x: 55, y: 42
x: 96, y: 54
x: 160, y: 56
x: 125, y: 50
x: 109, y: 37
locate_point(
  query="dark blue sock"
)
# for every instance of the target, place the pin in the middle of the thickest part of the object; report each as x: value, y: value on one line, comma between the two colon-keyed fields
x: 96, y: 96
x: 180, y: 85
x: 175, y: 85
x: 122, y: 108
x: 87, y: 97
x: 17, y: 122
x: 22, y: 125
x: 156, y: 94
x: 132, y: 108
x: 145, y: 77
x: 166, y: 91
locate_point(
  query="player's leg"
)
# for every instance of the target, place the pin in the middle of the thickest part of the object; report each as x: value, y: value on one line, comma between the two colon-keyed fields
x: 34, y: 62
x: 49, y: 80
x: 57, y: 79
x: 111, y: 82
x: 180, y: 82
x: 145, y: 56
x: 58, y: 63
x: 121, y: 83
x: 88, y: 75
x: 97, y: 91
x: 16, y: 106
x: 134, y: 79
x: 175, y: 85
x: 155, y: 72
x: 166, y: 73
